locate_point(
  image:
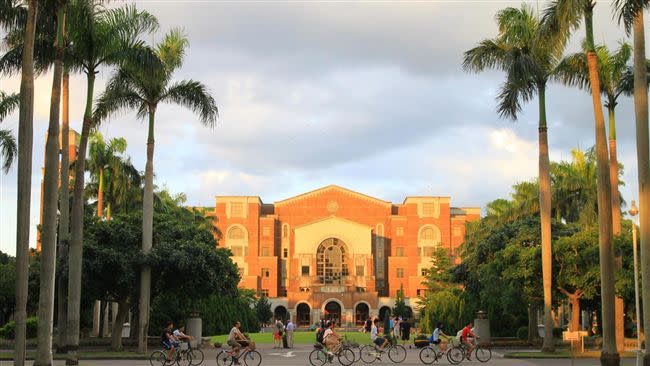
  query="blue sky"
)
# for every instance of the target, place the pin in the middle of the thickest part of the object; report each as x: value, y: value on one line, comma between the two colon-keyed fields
x: 366, y: 95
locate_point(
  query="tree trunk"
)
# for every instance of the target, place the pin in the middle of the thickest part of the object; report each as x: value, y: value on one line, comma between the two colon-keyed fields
x: 102, y: 319
x: 613, y: 173
x: 122, y: 313
x: 533, y: 334
x: 643, y: 163
x: 25, y: 145
x: 100, y: 193
x: 147, y: 230
x: 545, y: 216
x: 64, y: 221
x: 609, y: 355
x: 76, y: 243
x: 574, y: 325
x: 50, y: 200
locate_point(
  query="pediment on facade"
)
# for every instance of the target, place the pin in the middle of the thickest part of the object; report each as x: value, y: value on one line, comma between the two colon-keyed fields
x: 334, y: 221
x: 336, y: 190
x: 357, y: 237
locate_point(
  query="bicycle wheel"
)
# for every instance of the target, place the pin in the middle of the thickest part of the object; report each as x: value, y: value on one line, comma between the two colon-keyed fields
x: 483, y: 354
x: 397, y: 353
x: 224, y: 359
x: 197, y: 356
x: 158, y: 358
x: 428, y: 355
x: 368, y: 354
x: 346, y: 357
x: 357, y: 352
x: 317, y: 357
x: 252, y: 358
x: 455, y: 355
x: 183, y: 358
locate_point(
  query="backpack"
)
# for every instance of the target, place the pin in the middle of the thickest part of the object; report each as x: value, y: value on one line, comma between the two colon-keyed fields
x: 319, y: 335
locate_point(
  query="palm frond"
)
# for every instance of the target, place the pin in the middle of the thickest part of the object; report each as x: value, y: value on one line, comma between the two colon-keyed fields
x: 8, y: 103
x: 626, y: 85
x: 117, y: 96
x: 573, y: 71
x: 512, y: 95
x: 171, y: 50
x: 626, y: 11
x: 195, y: 96
x: 489, y: 54
x: 8, y: 149
x: 559, y: 19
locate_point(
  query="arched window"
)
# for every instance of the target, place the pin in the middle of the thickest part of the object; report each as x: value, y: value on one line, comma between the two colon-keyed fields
x: 236, y: 233
x: 237, y: 240
x: 285, y: 230
x: 428, y: 239
x: 331, y: 261
x: 380, y: 230
x: 427, y: 234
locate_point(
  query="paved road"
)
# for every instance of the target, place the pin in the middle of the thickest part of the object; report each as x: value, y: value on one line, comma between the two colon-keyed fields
x: 299, y: 357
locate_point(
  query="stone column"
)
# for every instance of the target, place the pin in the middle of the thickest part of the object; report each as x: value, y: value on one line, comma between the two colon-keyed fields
x: 106, y: 329
x: 482, y: 326
x: 96, y: 309
x: 194, y: 328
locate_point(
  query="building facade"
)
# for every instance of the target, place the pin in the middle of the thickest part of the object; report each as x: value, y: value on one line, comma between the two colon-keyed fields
x: 335, y: 253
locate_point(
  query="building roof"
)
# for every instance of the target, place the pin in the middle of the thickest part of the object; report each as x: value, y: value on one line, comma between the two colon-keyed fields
x: 330, y: 188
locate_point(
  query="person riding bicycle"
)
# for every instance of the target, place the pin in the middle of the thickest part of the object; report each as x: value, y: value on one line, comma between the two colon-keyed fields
x: 379, y: 342
x: 236, y: 340
x: 437, y: 340
x: 168, y: 341
x: 466, y: 337
x: 331, y: 340
x: 180, y: 335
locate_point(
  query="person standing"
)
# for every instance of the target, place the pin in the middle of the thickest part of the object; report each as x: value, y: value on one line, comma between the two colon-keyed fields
x: 277, y: 334
x: 368, y: 326
x: 405, y: 330
x: 289, y: 328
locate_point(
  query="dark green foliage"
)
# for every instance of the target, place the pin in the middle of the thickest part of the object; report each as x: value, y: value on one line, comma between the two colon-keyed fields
x: 522, y: 333
x: 7, y: 331
x: 263, y: 310
x: 400, y: 308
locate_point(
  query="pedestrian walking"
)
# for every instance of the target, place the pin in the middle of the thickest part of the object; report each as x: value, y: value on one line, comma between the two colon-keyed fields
x: 289, y: 328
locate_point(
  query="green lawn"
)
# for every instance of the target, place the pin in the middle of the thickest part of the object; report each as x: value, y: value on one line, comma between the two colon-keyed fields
x: 298, y: 337
x: 561, y: 354
x: 86, y: 355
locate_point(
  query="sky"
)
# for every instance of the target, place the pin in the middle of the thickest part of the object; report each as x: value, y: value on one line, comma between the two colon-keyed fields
x: 368, y: 95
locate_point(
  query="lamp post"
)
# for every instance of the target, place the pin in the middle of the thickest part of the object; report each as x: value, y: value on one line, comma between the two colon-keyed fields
x: 633, y: 212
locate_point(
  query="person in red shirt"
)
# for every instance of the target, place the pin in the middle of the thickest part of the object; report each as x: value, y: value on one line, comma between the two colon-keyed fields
x: 466, y: 337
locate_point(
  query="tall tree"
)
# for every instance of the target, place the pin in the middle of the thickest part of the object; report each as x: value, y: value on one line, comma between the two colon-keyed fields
x: 50, y: 203
x: 8, y: 147
x: 104, y: 160
x: 528, y: 56
x: 99, y: 38
x: 562, y: 17
x: 143, y: 89
x: 630, y: 12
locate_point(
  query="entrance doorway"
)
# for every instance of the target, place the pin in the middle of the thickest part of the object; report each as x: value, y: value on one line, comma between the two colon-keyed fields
x: 303, y: 313
x: 361, y: 313
x: 281, y: 313
x: 333, y: 312
x: 384, y: 312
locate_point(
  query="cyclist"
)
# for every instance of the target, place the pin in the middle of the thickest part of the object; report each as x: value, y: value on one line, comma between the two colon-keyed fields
x: 467, y: 336
x: 236, y: 340
x: 379, y: 342
x: 168, y: 341
x: 437, y: 340
x: 331, y: 340
x: 180, y: 335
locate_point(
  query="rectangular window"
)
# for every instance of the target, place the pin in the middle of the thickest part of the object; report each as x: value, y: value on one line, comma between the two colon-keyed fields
x: 264, y: 293
x: 361, y: 289
x: 266, y: 272
x: 428, y: 209
x: 266, y: 231
x: 399, y: 251
x: 399, y: 231
x: 400, y: 273
x: 360, y: 270
x: 285, y: 253
x: 237, y: 250
x: 236, y: 209
x: 427, y: 251
x: 283, y: 268
x: 305, y: 270
x: 265, y: 251
x: 423, y: 272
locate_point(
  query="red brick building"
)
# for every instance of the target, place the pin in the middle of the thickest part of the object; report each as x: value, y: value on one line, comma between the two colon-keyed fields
x: 337, y: 253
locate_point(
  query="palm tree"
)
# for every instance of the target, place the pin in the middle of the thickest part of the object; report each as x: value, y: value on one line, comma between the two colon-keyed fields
x: 528, y: 57
x: 561, y: 17
x: 99, y: 38
x: 104, y: 159
x: 8, y: 147
x: 574, y: 188
x: 50, y: 203
x: 137, y: 88
x: 630, y: 12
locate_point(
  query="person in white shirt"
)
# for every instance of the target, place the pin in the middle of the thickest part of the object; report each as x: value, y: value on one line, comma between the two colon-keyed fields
x: 180, y: 334
x: 379, y: 342
x: 236, y: 340
x: 331, y: 340
x: 289, y: 328
x: 436, y: 338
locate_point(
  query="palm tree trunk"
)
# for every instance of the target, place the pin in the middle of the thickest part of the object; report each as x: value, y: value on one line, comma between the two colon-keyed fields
x: 147, y: 230
x: 76, y: 243
x: 643, y: 163
x: 100, y: 193
x: 50, y: 200
x: 64, y: 221
x: 613, y: 173
x: 545, y: 217
x: 25, y: 145
x: 609, y: 354
x: 122, y: 313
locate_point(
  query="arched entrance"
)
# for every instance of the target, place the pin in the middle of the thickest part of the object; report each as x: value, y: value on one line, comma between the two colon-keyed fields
x: 333, y: 312
x: 331, y: 262
x: 384, y: 312
x: 281, y: 313
x: 303, y: 313
x: 361, y: 313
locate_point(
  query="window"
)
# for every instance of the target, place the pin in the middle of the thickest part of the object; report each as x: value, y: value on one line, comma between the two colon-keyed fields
x: 236, y: 233
x: 304, y: 289
x: 400, y: 273
x: 422, y: 292
x: 266, y: 272
x: 399, y: 251
x: 428, y: 209
x: 264, y: 293
x: 399, y: 231
x: 361, y: 289
x: 380, y: 230
x: 428, y: 234
x: 360, y: 270
x: 285, y: 253
x: 456, y: 231
x: 380, y: 284
x: 283, y: 291
x: 238, y: 250
x: 266, y: 231
x: 427, y: 251
x: 236, y: 209
x: 285, y: 230
x: 265, y: 251
x: 305, y: 270
x: 423, y: 272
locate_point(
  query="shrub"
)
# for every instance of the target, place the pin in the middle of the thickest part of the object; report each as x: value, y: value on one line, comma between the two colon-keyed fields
x: 7, y: 332
x: 522, y: 333
x: 9, y: 329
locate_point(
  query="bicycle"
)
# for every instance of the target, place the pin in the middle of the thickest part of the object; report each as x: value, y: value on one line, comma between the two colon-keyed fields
x: 353, y: 346
x: 250, y: 356
x: 457, y: 353
x: 196, y: 356
x: 159, y: 358
x: 431, y: 353
x: 319, y: 356
x: 396, y: 352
